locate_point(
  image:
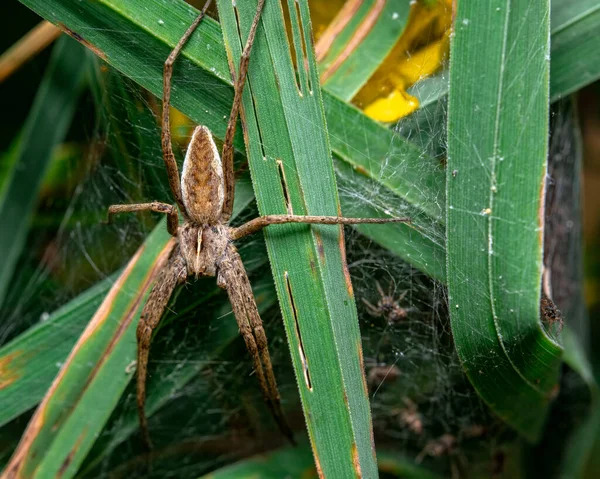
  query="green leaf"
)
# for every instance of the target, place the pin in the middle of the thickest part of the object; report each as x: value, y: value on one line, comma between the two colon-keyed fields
x: 90, y: 383
x: 292, y: 171
x: 575, y: 48
x: 287, y: 462
x: 298, y: 462
x: 497, y: 149
x: 45, y: 127
x: 29, y: 363
x: 426, y: 251
x: 581, y: 442
x: 367, y: 36
x: 108, y: 27
x: 385, y: 157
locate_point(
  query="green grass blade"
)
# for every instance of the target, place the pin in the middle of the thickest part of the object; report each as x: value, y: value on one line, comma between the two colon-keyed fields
x: 7, y: 163
x: 575, y: 47
x: 581, y: 441
x: 45, y: 127
x: 29, y: 363
x: 90, y: 383
x: 287, y: 462
x: 349, y: 63
x: 290, y: 157
x: 497, y: 149
x: 107, y: 27
x: 298, y: 462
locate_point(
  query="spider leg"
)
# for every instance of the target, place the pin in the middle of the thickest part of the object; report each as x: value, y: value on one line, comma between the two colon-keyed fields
x: 169, y: 210
x: 391, y: 287
x: 379, y: 289
x: 172, y: 274
x: 232, y: 277
x: 371, y: 309
x: 167, y: 147
x: 259, y: 223
x: 240, y: 81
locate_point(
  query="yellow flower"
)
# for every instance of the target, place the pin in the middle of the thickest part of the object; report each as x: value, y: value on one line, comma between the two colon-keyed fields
x: 419, y: 53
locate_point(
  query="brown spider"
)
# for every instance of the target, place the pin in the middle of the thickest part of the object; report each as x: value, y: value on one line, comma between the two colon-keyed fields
x: 550, y: 314
x: 411, y: 417
x: 450, y: 445
x: 387, y: 307
x: 204, y: 246
x: 442, y: 446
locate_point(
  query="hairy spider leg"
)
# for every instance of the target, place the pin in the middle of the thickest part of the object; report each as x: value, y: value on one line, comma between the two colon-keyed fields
x: 259, y: 223
x: 156, y: 206
x: 172, y: 274
x: 233, y: 278
x: 372, y: 309
x: 227, y: 156
x: 167, y: 147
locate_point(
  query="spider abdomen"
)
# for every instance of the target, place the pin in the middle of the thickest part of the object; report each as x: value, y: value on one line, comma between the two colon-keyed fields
x: 202, y: 184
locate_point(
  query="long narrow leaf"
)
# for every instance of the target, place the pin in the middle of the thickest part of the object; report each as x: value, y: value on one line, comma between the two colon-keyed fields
x: 582, y: 441
x: 298, y: 462
x: 575, y: 53
x: 66, y: 423
x: 29, y: 363
x: 357, y: 41
x: 497, y: 149
x: 45, y: 128
x: 292, y: 170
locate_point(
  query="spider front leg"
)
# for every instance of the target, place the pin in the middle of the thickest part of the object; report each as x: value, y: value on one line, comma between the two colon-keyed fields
x: 173, y: 273
x: 371, y: 308
x: 238, y: 87
x: 167, y: 147
x: 157, y: 207
x: 233, y: 278
x: 259, y: 223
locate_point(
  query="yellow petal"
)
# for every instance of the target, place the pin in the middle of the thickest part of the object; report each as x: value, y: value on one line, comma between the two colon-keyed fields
x: 424, y: 62
x: 393, y: 107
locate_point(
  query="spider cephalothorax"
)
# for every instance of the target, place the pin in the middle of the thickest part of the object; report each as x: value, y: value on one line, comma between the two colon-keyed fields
x: 202, y: 247
x: 387, y: 306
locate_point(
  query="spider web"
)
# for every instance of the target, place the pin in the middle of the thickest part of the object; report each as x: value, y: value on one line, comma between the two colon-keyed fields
x: 418, y: 389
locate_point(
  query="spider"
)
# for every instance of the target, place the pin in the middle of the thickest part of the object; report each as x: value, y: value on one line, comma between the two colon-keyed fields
x: 387, y: 306
x: 443, y: 445
x: 410, y: 417
x: 450, y: 445
x: 550, y: 314
x: 204, y: 242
